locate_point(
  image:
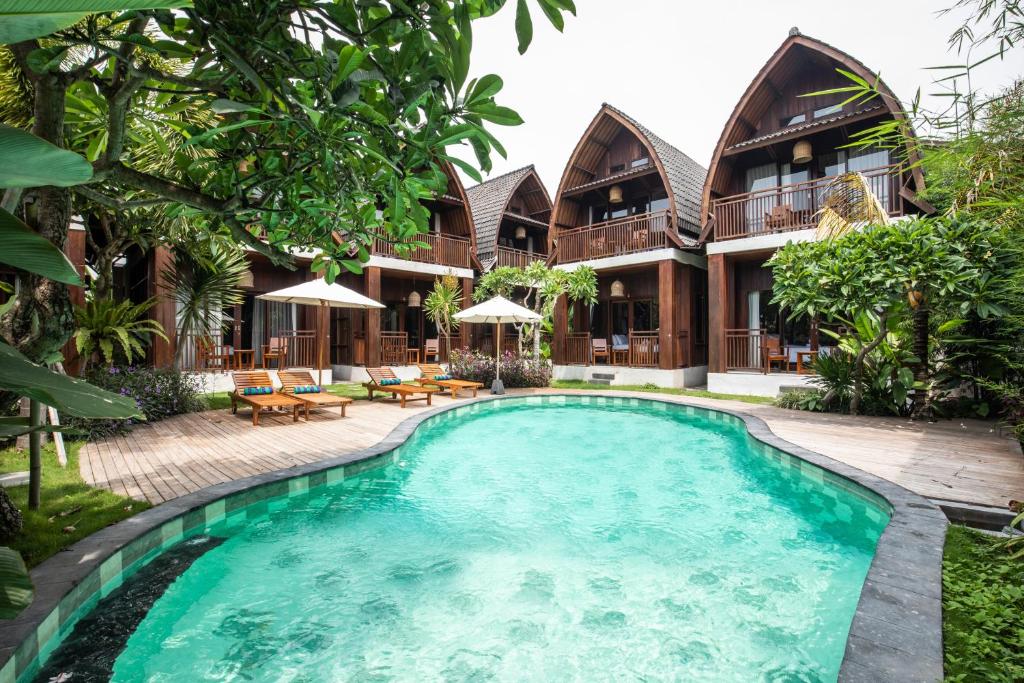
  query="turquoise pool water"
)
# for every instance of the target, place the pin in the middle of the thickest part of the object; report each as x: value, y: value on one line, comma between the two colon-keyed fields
x: 531, y: 543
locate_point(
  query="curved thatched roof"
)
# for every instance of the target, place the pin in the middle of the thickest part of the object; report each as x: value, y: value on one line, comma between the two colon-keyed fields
x: 489, y: 201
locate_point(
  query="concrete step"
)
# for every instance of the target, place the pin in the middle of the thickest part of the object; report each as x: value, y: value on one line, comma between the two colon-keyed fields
x: 603, y: 375
x: 595, y: 380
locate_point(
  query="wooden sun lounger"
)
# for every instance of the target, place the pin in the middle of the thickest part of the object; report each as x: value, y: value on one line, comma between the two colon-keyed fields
x: 452, y: 385
x: 260, y: 378
x: 301, y: 378
x: 403, y: 392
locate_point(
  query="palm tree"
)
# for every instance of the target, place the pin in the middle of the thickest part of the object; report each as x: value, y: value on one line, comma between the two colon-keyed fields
x: 441, y: 305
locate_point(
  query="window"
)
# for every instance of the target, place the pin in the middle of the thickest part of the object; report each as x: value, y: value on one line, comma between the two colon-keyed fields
x: 826, y: 111
x: 659, y: 204
x: 800, y: 200
x: 637, y: 163
x: 831, y: 164
x: 793, y: 120
x: 615, y: 168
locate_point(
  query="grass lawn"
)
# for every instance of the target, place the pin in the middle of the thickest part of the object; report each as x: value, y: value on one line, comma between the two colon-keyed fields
x: 651, y: 389
x: 67, y: 501
x: 983, y: 609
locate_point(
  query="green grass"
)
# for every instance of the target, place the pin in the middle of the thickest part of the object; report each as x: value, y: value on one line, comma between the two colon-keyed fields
x: 67, y: 501
x: 651, y: 389
x: 983, y: 609
x: 220, y: 399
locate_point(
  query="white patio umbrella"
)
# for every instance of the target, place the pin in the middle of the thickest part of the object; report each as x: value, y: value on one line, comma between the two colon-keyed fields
x: 498, y: 310
x: 324, y: 296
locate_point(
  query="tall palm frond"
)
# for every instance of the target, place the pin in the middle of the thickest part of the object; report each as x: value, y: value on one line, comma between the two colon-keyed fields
x: 203, y: 281
x: 848, y: 202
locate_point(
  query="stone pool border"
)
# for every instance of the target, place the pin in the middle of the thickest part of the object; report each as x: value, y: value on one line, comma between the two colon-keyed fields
x: 896, y: 632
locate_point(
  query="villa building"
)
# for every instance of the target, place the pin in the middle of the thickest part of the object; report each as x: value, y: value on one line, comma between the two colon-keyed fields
x: 770, y: 168
x: 628, y: 206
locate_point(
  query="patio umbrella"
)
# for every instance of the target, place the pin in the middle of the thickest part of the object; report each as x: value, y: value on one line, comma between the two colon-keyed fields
x: 498, y: 310
x: 324, y: 296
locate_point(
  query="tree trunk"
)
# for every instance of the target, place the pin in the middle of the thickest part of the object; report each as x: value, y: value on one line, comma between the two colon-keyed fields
x: 919, y: 408
x: 42, y: 318
x: 35, y: 456
x: 858, y: 365
x: 536, y: 341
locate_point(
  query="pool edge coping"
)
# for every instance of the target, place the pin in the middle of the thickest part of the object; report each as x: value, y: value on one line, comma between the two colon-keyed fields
x: 896, y: 633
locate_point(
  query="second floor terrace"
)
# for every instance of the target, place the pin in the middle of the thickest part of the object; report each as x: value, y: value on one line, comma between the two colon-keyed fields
x: 616, y: 237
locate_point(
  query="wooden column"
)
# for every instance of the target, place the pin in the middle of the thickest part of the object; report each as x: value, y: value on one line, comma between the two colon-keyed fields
x: 466, y: 329
x: 667, y: 324
x: 719, y: 310
x: 372, y: 276
x: 685, y: 306
x: 164, y: 312
x: 561, y: 326
x: 74, y: 249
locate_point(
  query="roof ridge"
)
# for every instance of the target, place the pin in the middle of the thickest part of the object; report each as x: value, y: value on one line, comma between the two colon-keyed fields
x: 528, y: 167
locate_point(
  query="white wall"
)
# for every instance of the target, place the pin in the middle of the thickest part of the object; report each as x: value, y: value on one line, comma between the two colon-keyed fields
x: 679, y: 378
x: 754, y: 383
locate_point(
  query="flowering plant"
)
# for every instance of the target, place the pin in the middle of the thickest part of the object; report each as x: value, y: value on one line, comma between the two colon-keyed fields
x: 516, y: 371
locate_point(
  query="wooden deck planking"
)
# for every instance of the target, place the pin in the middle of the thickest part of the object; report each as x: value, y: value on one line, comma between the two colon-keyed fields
x: 960, y: 460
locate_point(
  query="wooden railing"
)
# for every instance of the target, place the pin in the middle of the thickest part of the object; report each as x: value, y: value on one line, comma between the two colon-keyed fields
x: 743, y: 349
x: 517, y: 258
x: 443, y: 250
x: 509, y: 342
x: 300, y: 348
x: 393, y: 346
x: 791, y: 207
x: 578, y: 349
x: 643, y: 349
x: 612, y: 238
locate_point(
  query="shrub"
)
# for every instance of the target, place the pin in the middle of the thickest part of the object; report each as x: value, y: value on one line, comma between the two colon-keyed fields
x: 159, y: 393
x: 516, y: 371
x: 802, y: 400
x: 11, y: 520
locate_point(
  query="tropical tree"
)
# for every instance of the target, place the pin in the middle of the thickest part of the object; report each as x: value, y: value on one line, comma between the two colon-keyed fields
x: 323, y: 112
x: 442, y: 303
x: 538, y: 287
x: 203, y: 280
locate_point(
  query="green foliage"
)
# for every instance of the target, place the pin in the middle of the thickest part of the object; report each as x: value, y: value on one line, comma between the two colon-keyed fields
x: 39, y: 162
x: 114, y: 331
x: 983, y: 609
x: 17, y: 585
x: 653, y: 388
x: 442, y: 303
x: 24, y: 249
x: 159, y: 393
x: 203, y: 282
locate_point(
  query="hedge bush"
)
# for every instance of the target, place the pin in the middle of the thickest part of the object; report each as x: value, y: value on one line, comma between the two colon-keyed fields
x: 158, y: 392
x: 516, y: 371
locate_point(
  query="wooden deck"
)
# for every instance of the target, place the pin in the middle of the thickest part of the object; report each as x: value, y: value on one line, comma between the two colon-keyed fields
x: 960, y: 460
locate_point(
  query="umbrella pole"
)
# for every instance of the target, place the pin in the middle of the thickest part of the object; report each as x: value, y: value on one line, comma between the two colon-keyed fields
x: 497, y: 387
x: 320, y: 345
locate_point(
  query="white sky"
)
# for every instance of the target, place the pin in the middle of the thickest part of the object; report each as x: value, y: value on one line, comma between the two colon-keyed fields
x: 680, y: 66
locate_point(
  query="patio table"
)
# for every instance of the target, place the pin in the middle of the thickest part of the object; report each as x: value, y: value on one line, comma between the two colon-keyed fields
x: 244, y: 357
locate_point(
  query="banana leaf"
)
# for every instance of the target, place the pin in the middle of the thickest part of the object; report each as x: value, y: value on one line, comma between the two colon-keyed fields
x: 30, y: 161
x: 26, y: 19
x: 27, y: 250
x: 16, y: 590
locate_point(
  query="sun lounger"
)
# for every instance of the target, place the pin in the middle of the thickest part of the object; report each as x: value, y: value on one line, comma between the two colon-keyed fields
x: 255, y: 389
x: 431, y: 372
x: 384, y: 380
x: 294, y: 384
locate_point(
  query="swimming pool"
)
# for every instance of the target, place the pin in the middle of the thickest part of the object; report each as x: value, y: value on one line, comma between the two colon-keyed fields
x: 527, y: 539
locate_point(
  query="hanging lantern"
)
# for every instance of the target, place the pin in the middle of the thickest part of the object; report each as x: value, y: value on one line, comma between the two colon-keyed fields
x: 414, y: 299
x: 802, y: 152
x: 615, y: 194
x: 520, y: 232
x: 618, y: 289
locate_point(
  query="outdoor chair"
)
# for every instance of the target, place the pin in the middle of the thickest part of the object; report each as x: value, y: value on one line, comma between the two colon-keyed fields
x: 385, y: 381
x: 620, y: 349
x: 212, y: 355
x: 599, y: 349
x: 433, y: 375
x: 432, y: 350
x: 256, y: 390
x: 299, y: 384
x: 774, y: 352
x: 277, y: 350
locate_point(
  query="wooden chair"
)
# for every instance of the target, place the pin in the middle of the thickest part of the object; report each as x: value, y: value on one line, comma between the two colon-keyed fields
x: 301, y: 378
x: 432, y: 350
x: 211, y: 354
x: 277, y: 350
x: 260, y: 378
x: 403, y: 392
x: 430, y: 371
x: 780, y: 216
x: 774, y: 352
x: 599, y: 349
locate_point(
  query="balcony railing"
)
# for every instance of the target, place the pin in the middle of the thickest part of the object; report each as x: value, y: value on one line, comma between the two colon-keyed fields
x: 627, y: 235
x: 443, y: 250
x: 517, y: 258
x: 394, y: 348
x: 792, y: 207
x: 641, y: 350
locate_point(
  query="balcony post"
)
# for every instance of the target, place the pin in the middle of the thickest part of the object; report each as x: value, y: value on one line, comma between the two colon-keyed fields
x: 162, y: 352
x: 372, y: 274
x: 668, y: 276
x: 719, y: 309
x: 561, y: 325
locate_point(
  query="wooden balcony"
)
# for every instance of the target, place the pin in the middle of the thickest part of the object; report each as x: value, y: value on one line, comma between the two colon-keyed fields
x: 641, y: 350
x: 443, y: 250
x: 628, y: 235
x: 792, y: 207
x: 517, y: 258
